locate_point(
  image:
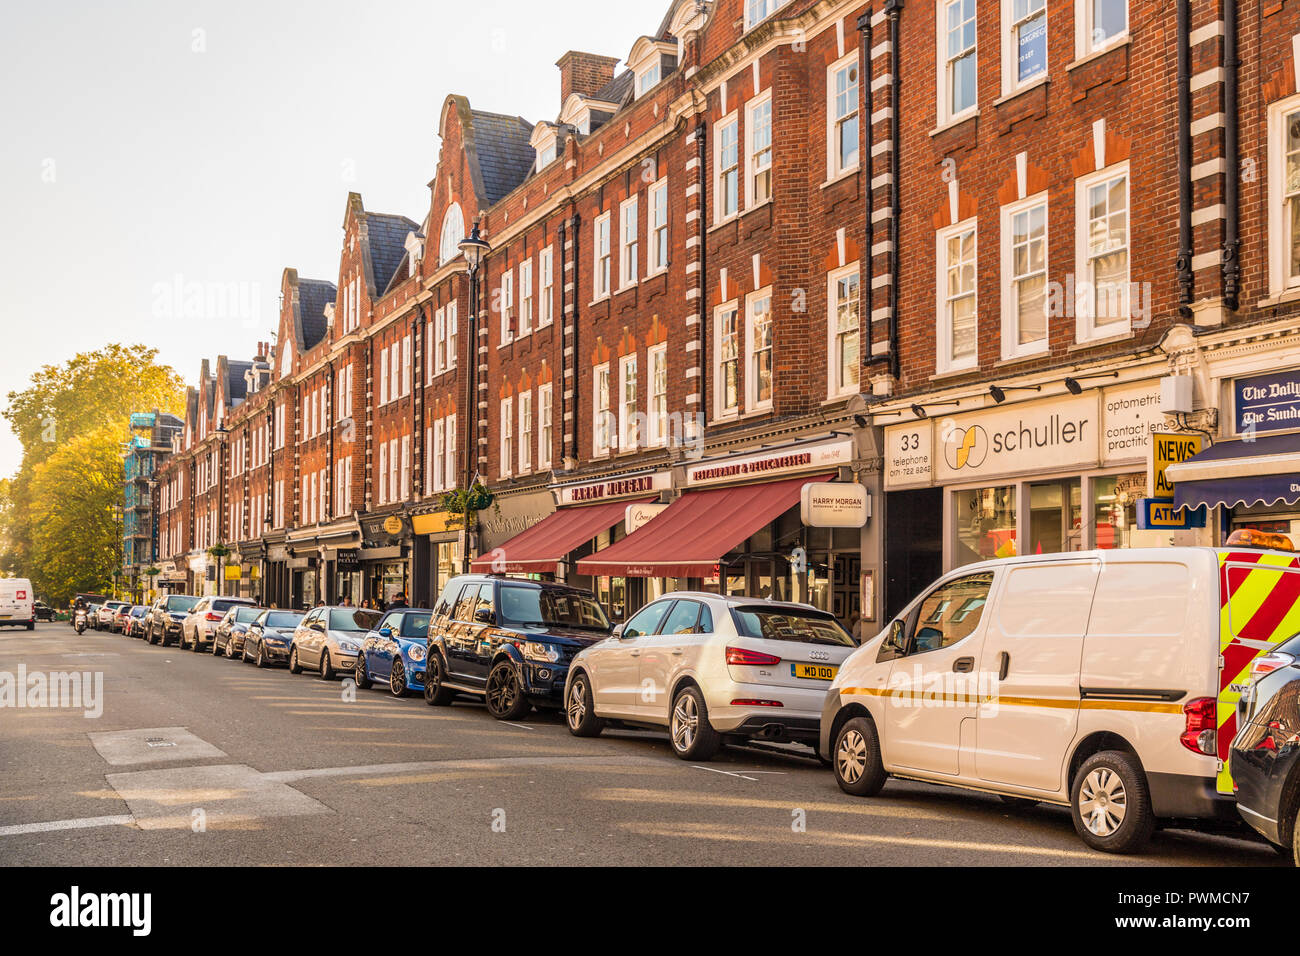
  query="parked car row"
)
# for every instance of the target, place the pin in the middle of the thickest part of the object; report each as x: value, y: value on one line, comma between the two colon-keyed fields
x: 1093, y: 681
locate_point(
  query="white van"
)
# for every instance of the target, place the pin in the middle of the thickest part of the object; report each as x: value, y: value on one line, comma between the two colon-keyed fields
x: 1104, y: 681
x: 17, y: 603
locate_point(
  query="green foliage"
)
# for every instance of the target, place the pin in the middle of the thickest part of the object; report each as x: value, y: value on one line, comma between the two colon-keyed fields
x: 463, y: 504
x: 60, y: 522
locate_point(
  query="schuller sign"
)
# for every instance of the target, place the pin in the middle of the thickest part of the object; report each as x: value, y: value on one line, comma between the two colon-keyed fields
x: 1070, y: 431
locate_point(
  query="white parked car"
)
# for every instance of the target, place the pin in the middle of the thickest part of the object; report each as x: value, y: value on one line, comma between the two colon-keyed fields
x: 200, y: 625
x: 708, y: 668
x: 329, y: 639
x: 1099, y: 681
x: 17, y: 603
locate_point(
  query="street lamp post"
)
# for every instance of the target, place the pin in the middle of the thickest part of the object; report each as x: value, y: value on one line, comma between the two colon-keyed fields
x: 475, y: 248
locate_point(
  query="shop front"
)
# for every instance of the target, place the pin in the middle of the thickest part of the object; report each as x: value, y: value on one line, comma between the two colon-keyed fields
x: 584, y: 517
x: 436, y: 554
x: 739, y: 528
x: 1052, y: 475
x: 276, y: 577
x: 315, y: 555
x: 1251, y: 478
x: 385, y: 558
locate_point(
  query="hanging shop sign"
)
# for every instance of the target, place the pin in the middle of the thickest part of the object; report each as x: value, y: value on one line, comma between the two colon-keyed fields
x: 613, y: 488
x: 1267, y: 403
x: 1170, y: 449
x: 347, y: 560
x: 828, y: 504
x: 641, y: 514
x: 772, y: 464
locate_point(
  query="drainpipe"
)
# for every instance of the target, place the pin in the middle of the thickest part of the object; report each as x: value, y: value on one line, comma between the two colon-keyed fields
x: 702, y: 178
x: 1186, y: 249
x: 1231, y: 191
x: 561, y: 234
x: 893, y: 8
x: 864, y: 73
x: 577, y: 299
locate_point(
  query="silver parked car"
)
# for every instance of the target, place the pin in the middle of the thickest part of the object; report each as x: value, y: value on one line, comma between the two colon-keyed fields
x: 200, y: 625
x: 328, y: 639
x: 708, y: 668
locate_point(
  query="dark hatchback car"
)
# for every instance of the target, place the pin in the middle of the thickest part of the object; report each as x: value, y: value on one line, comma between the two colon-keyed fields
x: 267, y: 639
x: 228, y: 638
x: 1265, y: 759
x: 508, y: 642
x: 43, y: 611
x: 163, y: 624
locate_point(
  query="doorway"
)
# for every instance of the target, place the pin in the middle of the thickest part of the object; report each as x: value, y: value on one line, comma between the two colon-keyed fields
x: 913, y: 545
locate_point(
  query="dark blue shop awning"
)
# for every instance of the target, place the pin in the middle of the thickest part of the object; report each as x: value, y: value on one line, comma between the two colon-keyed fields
x: 1240, y: 473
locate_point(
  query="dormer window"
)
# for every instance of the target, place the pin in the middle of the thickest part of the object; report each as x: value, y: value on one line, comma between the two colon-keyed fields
x: 648, y: 79
x: 414, y: 252
x: 545, y: 144
x: 453, y: 232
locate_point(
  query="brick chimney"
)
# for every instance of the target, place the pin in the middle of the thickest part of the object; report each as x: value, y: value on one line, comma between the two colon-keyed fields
x: 584, y: 73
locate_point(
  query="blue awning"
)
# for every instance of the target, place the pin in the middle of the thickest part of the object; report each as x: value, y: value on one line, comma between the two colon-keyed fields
x: 1240, y: 473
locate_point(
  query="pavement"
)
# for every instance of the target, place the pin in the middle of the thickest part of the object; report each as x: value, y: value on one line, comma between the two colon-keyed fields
x: 185, y: 759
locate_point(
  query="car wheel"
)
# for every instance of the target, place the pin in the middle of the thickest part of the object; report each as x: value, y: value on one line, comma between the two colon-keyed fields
x: 693, y: 736
x: 397, y: 679
x: 244, y: 655
x: 435, y: 695
x: 261, y: 656
x: 580, y: 709
x: 505, y: 695
x: 858, y: 768
x: 230, y: 650
x: 359, y: 672
x: 1295, y: 839
x: 294, y: 666
x: 1111, y: 803
x: 326, y: 669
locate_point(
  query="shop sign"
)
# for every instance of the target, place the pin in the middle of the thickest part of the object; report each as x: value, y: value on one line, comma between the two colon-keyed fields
x: 234, y: 572
x: 379, y: 532
x: 909, y: 450
x: 1161, y: 514
x: 1170, y: 449
x: 393, y: 525
x: 772, y: 464
x: 826, y: 504
x: 347, y: 560
x: 1130, y: 414
x: 436, y: 522
x: 1267, y: 403
x: 613, y: 488
x: 639, y: 515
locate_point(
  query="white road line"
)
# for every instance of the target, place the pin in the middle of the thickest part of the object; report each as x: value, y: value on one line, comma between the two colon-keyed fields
x: 520, y: 726
x: 85, y: 823
x: 727, y: 773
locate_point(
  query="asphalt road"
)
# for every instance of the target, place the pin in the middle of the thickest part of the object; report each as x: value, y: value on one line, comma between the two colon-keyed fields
x: 203, y: 761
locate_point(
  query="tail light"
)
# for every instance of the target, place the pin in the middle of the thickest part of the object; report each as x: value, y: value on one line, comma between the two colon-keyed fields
x: 1201, y: 733
x: 754, y: 702
x: 213, y: 616
x: 1268, y: 663
x: 747, y: 658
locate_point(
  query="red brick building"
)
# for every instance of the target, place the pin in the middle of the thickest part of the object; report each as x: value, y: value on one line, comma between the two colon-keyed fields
x: 778, y: 242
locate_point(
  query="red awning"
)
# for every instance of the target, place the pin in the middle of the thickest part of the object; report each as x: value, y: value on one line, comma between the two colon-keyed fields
x: 541, y: 548
x: 689, y: 538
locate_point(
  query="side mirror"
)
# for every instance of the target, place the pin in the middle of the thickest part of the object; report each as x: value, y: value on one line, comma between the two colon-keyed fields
x: 618, y: 631
x: 484, y: 616
x: 385, y: 632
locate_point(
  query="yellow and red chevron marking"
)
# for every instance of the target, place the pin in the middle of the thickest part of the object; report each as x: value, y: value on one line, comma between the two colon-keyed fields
x: 1259, y: 600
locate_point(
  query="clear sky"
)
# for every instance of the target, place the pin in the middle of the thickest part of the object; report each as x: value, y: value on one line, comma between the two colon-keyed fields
x: 204, y: 145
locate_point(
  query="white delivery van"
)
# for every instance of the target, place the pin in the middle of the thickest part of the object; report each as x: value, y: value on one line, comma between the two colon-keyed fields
x: 17, y: 603
x: 1104, y: 681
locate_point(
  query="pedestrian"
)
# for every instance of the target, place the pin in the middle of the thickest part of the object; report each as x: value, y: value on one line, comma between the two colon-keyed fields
x: 399, y: 601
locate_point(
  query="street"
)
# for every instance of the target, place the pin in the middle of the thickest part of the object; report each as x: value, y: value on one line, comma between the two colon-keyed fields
x: 198, y: 761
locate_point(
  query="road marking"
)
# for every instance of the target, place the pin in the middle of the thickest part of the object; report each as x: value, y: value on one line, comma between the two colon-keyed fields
x: 677, y: 798
x: 725, y: 773
x: 520, y: 726
x: 84, y: 823
x: 422, y: 766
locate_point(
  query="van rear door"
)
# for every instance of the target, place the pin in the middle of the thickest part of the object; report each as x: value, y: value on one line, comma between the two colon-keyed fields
x: 1031, y: 660
x: 1259, y: 608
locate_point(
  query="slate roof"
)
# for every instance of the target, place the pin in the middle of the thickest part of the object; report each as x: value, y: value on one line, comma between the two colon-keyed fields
x: 617, y: 89
x: 237, y: 385
x: 313, y: 296
x: 386, y: 235
x: 505, y: 157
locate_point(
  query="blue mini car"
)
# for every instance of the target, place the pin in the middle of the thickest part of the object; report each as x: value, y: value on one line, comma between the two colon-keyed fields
x: 394, y: 652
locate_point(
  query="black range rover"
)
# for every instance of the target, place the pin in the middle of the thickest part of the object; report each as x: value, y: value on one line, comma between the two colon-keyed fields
x: 508, y: 641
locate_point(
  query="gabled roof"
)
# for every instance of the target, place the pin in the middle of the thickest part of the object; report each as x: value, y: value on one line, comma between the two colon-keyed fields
x: 386, y: 236
x: 313, y: 296
x: 505, y: 156
x: 237, y: 385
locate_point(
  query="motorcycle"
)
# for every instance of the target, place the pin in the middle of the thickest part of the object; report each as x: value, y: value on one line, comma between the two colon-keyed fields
x: 79, y: 620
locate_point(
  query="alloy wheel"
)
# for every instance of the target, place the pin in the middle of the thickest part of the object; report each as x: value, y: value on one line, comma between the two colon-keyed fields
x: 686, y: 722
x: 501, y: 689
x: 1103, y: 802
x: 397, y: 679
x: 577, y: 708
x: 851, y: 757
